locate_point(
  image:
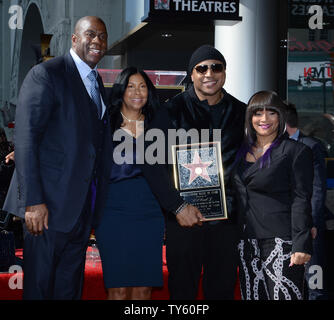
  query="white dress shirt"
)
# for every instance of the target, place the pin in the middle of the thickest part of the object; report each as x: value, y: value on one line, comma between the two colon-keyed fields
x: 84, y: 69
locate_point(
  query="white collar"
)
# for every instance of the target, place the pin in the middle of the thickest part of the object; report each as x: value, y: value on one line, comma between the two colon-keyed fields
x: 83, y: 68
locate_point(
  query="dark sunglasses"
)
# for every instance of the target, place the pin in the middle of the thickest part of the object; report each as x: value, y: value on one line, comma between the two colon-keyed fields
x: 215, y: 68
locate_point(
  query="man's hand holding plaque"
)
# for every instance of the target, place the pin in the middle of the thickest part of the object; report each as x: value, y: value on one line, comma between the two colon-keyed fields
x: 189, y: 216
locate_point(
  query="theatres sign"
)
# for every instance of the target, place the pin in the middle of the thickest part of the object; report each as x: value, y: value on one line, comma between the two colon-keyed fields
x: 192, y: 10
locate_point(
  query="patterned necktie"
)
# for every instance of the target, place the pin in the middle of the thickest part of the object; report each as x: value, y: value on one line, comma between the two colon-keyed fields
x: 95, y: 91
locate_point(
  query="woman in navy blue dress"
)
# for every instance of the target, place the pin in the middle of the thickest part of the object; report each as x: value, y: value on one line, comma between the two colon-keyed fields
x: 130, y: 234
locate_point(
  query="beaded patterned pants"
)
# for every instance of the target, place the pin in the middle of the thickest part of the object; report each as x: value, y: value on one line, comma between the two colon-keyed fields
x: 265, y: 273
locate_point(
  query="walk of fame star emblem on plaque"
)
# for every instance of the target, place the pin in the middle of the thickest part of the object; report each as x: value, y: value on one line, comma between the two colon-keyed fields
x: 199, y: 176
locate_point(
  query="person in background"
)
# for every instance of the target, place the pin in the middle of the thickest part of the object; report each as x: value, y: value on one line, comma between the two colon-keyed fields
x: 5, y: 146
x: 318, y: 200
x: 6, y: 168
x: 131, y: 231
x: 273, y: 178
x: 10, y: 223
x: 61, y: 160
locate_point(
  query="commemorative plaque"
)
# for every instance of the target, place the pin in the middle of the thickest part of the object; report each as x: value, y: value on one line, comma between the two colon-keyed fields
x: 199, y: 176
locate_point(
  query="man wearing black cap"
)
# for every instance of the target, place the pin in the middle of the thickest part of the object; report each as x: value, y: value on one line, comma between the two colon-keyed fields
x: 190, y: 244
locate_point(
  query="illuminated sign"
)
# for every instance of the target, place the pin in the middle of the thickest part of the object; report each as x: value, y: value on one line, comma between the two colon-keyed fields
x: 193, y: 10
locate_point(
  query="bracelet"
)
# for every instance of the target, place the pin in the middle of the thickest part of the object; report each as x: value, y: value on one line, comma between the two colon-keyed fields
x: 181, y: 207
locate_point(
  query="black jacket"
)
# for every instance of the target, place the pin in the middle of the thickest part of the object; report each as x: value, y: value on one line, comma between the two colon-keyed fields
x: 275, y: 201
x: 186, y: 111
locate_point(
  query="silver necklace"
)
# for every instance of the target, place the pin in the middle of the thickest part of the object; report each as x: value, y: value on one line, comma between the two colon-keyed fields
x: 130, y: 120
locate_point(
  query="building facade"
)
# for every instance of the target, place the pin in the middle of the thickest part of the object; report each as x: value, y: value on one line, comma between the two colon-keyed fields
x: 21, y: 25
x: 268, y: 45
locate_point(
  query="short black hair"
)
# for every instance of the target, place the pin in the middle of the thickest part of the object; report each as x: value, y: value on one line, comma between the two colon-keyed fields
x: 120, y: 85
x: 264, y: 100
x: 291, y: 115
x: 261, y: 100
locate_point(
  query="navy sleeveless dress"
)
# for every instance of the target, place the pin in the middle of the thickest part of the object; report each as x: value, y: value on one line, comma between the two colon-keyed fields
x: 130, y: 235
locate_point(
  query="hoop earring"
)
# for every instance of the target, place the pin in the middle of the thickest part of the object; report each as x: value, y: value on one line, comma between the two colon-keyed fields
x: 284, y: 129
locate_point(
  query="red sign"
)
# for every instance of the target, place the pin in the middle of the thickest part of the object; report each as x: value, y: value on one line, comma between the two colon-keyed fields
x: 320, y: 45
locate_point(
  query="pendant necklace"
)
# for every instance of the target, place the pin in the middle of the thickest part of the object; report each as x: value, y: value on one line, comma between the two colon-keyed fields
x: 130, y: 120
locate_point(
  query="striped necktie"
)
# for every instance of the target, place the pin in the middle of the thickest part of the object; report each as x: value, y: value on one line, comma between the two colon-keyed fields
x: 95, y: 91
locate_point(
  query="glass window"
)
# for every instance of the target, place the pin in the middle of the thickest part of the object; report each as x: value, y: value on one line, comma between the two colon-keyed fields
x: 310, y: 68
x: 311, y: 35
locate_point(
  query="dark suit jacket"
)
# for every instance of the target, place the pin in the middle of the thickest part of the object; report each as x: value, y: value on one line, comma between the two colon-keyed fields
x: 54, y: 151
x: 319, y: 179
x: 275, y: 201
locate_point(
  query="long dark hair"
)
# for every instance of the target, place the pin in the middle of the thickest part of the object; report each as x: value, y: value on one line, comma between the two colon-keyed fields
x: 118, y: 91
x: 268, y: 100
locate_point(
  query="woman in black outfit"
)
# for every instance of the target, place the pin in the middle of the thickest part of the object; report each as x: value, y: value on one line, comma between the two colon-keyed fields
x: 273, y: 180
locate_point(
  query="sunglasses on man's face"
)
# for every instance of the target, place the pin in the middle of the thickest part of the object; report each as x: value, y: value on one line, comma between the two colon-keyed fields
x: 215, y: 68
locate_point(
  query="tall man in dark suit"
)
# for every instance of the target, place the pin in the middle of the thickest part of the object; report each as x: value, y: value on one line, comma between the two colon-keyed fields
x: 318, y: 197
x: 61, y: 154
